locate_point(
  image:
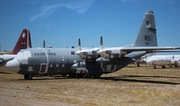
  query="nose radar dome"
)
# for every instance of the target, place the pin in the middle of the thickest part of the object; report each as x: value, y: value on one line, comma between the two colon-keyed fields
x: 13, y: 65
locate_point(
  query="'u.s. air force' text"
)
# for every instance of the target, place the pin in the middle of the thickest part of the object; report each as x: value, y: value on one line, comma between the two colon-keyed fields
x: 41, y: 54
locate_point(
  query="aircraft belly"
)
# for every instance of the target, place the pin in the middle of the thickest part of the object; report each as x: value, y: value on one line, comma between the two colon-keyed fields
x: 113, y: 68
x: 113, y: 65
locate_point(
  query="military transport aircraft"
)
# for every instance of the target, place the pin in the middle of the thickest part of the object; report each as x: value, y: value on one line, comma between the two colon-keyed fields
x: 162, y: 60
x: 91, y: 62
x: 23, y: 42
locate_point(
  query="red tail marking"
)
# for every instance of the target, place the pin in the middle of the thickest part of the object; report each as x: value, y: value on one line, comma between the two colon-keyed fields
x: 23, y: 42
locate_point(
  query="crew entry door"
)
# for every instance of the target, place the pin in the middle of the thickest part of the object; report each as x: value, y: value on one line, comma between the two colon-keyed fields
x: 43, y: 68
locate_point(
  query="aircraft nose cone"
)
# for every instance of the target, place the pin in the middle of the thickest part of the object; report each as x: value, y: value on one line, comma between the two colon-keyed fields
x: 13, y: 65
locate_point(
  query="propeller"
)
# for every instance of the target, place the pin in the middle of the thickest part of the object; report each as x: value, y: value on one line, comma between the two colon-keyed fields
x: 101, y: 43
x: 101, y: 48
x: 81, y: 53
x: 175, y: 61
x: 44, y: 44
x: 79, y: 44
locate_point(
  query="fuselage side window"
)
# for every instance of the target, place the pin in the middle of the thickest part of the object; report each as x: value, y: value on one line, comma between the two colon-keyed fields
x: 73, y: 52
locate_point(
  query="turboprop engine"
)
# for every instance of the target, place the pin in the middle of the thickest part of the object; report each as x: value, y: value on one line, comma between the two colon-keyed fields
x: 113, y: 53
x: 176, y: 62
x: 79, y: 68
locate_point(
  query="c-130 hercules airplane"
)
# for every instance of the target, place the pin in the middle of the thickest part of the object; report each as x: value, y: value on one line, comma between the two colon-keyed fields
x: 87, y: 62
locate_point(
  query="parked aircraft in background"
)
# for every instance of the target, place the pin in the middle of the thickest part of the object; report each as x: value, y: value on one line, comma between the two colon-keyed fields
x: 162, y: 60
x: 143, y: 59
x: 91, y: 62
x: 23, y: 42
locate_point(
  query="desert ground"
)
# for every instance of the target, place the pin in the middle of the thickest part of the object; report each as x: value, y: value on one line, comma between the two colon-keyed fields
x: 130, y: 86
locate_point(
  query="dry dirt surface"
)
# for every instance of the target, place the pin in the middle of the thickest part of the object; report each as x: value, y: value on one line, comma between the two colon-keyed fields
x: 130, y: 86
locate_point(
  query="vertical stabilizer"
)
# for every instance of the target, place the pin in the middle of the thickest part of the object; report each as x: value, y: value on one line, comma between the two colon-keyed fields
x: 147, y: 32
x: 23, y: 42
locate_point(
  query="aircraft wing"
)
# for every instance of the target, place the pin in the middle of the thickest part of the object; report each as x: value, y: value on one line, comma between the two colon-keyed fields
x: 122, y: 51
x: 116, y: 52
x: 171, y: 50
x: 90, y: 53
x: 5, y: 57
x: 148, y: 49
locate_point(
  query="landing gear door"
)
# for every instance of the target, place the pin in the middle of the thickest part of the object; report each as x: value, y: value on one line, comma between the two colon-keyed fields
x: 43, y: 68
x: 110, y: 68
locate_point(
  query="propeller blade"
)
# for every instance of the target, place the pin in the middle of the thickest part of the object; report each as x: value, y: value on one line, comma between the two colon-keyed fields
x: 101, y: 43
x: 101, y: 48
x: 44, y: 44
x: 79, y: 44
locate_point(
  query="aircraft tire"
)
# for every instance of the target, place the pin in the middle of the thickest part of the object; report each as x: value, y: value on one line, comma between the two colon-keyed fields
x: 80, y: 76
x: 28, y: 77
x: 154, y: 67
x: 163, y: 67
x: 96, y: 76
x: 72, y: 75
x: 64, y: 75
x: 88, y: 76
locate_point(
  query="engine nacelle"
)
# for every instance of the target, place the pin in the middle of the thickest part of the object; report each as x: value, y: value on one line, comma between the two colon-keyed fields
x: 79, y: 68
x: 111, y: 54
x: 5, y: 57
x: 88, y: 54
x: 123, y: 60
x: 176, y: 62
x: 2, y: 62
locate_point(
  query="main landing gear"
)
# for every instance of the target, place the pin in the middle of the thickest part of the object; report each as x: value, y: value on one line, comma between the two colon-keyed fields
x: 83, y: 76
x: 28, y: 77
x: 163, y: 66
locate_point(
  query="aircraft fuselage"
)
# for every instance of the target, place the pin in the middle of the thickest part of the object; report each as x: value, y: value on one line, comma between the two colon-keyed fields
x: 49, y: 61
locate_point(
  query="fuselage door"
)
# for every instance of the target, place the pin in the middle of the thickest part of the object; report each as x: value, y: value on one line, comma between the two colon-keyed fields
x: 43, y: 68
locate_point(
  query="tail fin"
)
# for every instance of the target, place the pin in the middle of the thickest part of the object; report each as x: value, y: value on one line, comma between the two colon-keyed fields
x: 147, y: 33
x: 23, y: 42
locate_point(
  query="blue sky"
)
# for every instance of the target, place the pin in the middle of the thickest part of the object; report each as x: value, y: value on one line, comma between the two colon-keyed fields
x: 62, y: 22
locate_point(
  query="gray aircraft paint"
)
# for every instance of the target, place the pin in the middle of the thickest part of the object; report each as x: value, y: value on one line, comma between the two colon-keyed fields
x: 147, y: 33
x: 47, y: 61
x: 59, y: 61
